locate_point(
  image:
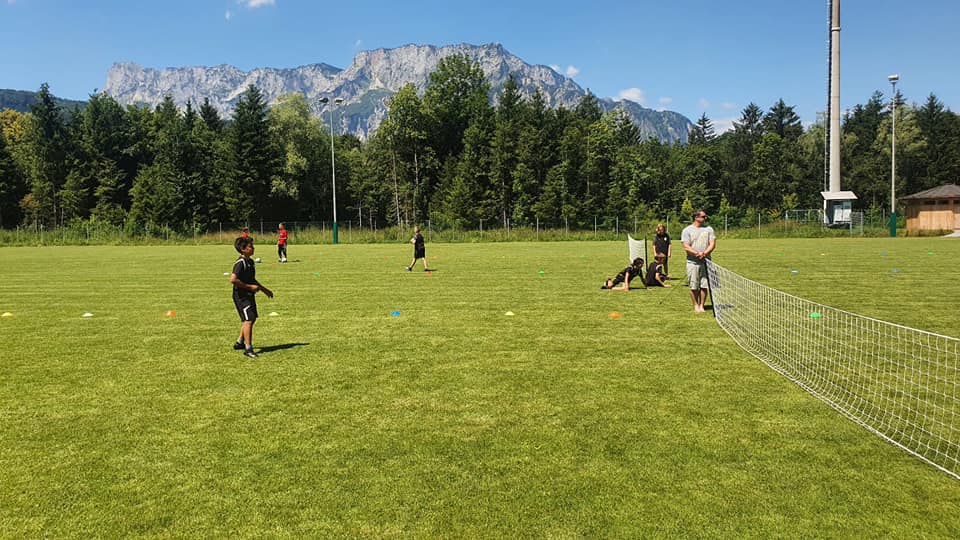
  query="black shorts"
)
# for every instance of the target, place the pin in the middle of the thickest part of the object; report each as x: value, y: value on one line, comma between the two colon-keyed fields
x: 246, y: 307
x: 419, y: 253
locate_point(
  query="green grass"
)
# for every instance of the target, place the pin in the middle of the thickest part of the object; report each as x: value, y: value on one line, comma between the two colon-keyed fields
x: 451, y: 420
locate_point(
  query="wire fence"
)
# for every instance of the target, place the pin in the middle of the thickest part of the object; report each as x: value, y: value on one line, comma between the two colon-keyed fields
x: 806, y: 223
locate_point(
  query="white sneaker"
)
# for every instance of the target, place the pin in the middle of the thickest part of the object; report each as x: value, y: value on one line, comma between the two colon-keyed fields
x: 283, y: 260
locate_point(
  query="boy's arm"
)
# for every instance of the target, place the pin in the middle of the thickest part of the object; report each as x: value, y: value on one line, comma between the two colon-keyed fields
x: 252, y: 287
x: 265, y: 290
x: 625, y: 286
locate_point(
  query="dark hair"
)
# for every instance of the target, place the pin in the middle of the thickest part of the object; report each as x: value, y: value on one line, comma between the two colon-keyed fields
x: 638, y: 262
x: 241, y: 243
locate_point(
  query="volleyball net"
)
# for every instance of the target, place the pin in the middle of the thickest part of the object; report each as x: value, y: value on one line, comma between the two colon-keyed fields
x: 901, y: 383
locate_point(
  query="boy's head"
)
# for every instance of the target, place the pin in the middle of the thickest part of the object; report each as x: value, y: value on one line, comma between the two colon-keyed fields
x: 416, y: 229
x: 240, y: 244
x: 638, y: 262
x: 281, y: 226
x: 660, y: 257
x: 245, y: 229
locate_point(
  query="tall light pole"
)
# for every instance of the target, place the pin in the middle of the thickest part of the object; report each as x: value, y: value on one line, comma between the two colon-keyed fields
x: 893, y: 155
x: 333, y: 164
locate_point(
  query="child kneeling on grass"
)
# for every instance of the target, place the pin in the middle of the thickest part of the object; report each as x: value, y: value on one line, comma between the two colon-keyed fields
x: 245, y: 286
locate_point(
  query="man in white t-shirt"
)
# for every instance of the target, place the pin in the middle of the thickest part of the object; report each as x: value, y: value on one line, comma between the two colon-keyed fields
x: 699, y: 241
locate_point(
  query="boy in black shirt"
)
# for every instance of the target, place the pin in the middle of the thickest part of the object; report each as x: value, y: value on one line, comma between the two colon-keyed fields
x: 623, y: 279
x: 419, y: 250
x: 655, y: 273
x: 245, y: 286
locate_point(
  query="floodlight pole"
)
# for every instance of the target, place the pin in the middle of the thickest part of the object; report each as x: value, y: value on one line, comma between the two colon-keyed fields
x: 333, y: 163
x: 893, y: 156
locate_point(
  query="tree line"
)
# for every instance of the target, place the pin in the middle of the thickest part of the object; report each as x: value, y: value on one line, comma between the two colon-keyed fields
x: 445, y: 154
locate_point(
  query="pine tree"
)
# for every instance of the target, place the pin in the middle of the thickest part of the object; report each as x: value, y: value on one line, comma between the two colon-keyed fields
x: 702, y: 132
x: 782, y: 120
x: 48, y: 155
x: 256, y: 158
x: 509, y: 122
x: 9, y: 185
x: 210, y: 116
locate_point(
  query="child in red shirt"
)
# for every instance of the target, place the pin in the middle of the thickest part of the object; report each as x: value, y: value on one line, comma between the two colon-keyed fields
x: 282, y: 244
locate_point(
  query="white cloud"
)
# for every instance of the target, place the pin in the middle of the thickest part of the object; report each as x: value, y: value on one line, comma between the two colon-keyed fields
x: 633, y: 94
x: 703, y: 104
x: 555, y: 67
x: 664, y: 102
x: 572, y: 71
x: 727, y: 106
x: 357, y: 44
x: 228, y: 15
x: 253, y: 4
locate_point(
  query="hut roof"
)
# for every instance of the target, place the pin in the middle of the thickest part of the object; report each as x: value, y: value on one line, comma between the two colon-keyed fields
x: 946, y: 191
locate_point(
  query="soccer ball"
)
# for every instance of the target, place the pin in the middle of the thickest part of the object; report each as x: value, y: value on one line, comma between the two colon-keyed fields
x: 257, y: 259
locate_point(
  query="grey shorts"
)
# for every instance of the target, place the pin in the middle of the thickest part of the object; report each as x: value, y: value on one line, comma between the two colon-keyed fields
x: 697, y: 274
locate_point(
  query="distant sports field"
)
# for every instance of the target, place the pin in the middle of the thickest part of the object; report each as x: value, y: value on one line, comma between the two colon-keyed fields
x: 449, y: 418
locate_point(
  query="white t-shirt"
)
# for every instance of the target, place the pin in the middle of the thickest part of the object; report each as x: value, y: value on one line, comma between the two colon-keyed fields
x: 699, y: 239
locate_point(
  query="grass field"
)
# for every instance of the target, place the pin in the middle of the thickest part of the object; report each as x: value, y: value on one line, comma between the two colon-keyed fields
x: 452, y: 419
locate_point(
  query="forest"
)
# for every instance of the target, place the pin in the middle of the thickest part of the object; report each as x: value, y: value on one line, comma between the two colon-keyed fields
x: 444, y: 154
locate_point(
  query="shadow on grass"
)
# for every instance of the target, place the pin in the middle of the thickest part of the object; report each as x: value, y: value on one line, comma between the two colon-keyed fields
x: 280, y: 347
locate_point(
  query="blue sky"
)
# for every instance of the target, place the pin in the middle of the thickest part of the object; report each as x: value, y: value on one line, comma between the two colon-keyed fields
x: 690, y: 56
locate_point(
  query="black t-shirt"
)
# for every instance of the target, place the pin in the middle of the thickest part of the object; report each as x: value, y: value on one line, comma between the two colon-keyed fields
x: 661, y: 243
x: 634, y: 272
x: 652, y: 272
x: 246, y: 272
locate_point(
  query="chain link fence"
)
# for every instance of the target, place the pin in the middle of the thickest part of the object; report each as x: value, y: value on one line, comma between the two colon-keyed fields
x: 750, y: 224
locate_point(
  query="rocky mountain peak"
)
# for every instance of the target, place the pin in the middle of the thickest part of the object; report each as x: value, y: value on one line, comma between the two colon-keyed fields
x: 366, y: 85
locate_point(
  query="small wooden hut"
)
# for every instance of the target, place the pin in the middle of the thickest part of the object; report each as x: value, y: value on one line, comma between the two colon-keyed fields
x: 933, y: 209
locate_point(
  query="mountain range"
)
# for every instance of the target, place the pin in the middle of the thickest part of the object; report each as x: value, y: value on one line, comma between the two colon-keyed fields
x: 367, y: 85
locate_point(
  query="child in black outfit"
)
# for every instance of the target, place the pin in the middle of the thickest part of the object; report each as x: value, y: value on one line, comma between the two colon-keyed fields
x: 661, y: 246
x: 245, y: 286
x: 622, y: 280
x: 655, y: 273
x: 419, y: 250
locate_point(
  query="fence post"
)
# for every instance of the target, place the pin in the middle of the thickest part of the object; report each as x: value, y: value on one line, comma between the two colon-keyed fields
x: 481, y: 228
x: 220, y: 236
x: 566, y: 226
x: 618, y: 228
x: 594, y: 227
x: 538, y: 228
x: 758, y: 224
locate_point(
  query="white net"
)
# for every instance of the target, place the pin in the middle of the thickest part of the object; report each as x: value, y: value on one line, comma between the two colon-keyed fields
x: 901, y: 383
x: 638, y: 248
